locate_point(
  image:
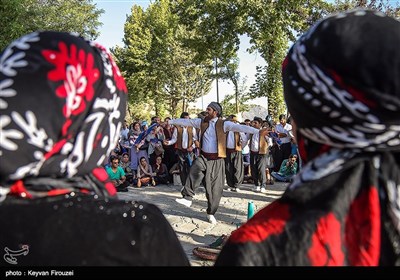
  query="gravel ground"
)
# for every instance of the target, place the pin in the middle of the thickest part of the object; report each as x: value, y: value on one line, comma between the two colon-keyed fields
x: 191, y: 225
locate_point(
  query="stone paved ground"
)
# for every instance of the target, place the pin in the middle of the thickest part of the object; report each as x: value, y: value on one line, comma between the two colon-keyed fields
x: 191, y: 225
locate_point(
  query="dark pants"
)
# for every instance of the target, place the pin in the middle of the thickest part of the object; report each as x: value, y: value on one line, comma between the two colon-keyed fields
x: 258, y: 164
x: 282, y: 154
x: 234, y: 169
x: 211, y: 174
x: 122, y: 187
x: 184, y: 164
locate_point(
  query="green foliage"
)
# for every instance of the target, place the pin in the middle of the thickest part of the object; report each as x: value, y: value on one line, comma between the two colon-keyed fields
x: 157, y: 66
x: 385, y: 6
x: 25, y: 16
x: 270, y: 24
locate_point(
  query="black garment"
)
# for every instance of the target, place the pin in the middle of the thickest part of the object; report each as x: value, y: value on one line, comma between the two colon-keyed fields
x: 258, y: 164
x: 184, y: 164
x: 234, y: 169
x: 342, y: 88
x: 211, y: 174
x: 83, y: 230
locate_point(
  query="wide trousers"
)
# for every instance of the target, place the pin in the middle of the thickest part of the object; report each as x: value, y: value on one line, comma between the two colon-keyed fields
x: 234, y: 169
x: 185, y: 161
x: 212, y: 174
x: 258, y: 164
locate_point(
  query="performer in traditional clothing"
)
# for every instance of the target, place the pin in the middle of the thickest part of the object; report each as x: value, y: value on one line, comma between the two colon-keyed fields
x: 209, y: 167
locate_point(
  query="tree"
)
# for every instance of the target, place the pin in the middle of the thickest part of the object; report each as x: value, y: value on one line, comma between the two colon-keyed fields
x: 230, y: 72
x: 270, y: 24
x: 384, y: 6
x: 25, y: 16
x: 232, y: 102
x: 158, y: 68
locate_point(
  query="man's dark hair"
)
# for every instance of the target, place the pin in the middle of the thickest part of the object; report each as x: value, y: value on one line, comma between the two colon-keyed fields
x: 282, y: 116
x: 258, y: 119
x: 112, y: 158
x: 184, y: 114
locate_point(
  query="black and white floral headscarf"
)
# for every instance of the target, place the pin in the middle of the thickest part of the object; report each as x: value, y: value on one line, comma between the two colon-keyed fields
x: 62, y: 103
x: 342, y: 87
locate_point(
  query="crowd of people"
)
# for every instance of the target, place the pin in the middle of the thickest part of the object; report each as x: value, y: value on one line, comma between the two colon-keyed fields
x: 174, y: 144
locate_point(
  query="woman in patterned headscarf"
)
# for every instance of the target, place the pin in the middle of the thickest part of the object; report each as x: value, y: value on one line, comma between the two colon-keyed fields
x: 343, y: 208
x: 62, y: 103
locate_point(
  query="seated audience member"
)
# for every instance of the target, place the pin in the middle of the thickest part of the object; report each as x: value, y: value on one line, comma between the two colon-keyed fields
x: 57, y: 207
x: 126, y: 166
x: 287, y: 170
x: 175, y: 172
x: 161, y: 170
x: 342, y: 87
x: 117, y: 175
x: 145, y: 174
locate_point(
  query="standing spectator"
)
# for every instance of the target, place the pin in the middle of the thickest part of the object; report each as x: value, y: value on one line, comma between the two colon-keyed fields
x: 61, y: 116
x: 138, y: 150
x: 342, y: 87
x: 184, y: 137
x: 285, y: 148
x: 170, y: 157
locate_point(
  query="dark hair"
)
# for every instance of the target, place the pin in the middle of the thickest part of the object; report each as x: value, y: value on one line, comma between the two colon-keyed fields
x: 112, y: 158
x: 142, y: 158
x: 258, y: 119
x: 282, y: 116
x: 184, y: 114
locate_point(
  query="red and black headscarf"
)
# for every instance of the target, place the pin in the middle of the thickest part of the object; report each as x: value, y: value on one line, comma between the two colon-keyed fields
x: 342, y: 87
x: 62, y: 103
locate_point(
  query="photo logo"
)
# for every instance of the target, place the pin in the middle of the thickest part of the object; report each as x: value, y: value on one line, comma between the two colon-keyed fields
x: 10, y: 255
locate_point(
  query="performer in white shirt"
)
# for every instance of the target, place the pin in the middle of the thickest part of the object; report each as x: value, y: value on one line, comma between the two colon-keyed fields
x: 234, y: 168
x: 209, y: 167
x: 184, y: 137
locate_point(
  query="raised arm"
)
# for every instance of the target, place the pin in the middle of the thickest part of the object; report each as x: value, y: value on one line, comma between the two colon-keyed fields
x: 186, y: 122
x: 231, y: 126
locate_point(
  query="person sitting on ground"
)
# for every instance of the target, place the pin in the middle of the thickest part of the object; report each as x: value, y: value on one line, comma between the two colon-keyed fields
x: 57, y: 206
x: 175, y: 173
x: 161, y: 171
x: 287, y: 170
x: 125, y: 164
x: 117, y: 175
x: 145, y: 174
x: 342, y: 87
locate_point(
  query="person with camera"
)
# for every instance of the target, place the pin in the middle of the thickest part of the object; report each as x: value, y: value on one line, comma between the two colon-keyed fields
x: 287, y: 170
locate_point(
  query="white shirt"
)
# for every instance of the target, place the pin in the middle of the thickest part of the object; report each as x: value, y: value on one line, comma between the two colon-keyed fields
x: 209, y: 144
x: 284, y: 129
x: 185, y: 137
x: 255, y: 142
x: 230, y: 141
